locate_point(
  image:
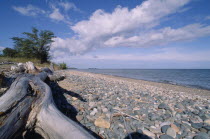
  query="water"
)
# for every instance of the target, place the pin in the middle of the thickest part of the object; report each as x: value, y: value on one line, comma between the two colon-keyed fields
x: 196, y: 78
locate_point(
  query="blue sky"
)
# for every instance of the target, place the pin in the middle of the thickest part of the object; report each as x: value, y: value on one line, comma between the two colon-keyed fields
x: 116, y: 33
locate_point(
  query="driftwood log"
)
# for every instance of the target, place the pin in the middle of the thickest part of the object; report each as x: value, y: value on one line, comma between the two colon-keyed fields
x: 28, y: 106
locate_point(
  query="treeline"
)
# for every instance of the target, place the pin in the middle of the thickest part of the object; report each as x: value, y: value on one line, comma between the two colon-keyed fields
x: 34, y: 45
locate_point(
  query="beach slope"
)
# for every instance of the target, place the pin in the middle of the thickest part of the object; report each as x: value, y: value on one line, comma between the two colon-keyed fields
x: 116, y: 107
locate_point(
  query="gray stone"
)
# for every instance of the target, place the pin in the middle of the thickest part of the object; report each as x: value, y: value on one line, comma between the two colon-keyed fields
x: 196, y: 119
x: 204, y: 117
x: 165, y: 123
x: 171, y: 132
x: 166, y: 116
x: 197, y: 125
x: 196, y: 112
x: 163, y: 106
x: 164, y: 128
x: 105, y: 110
x: 184, y: 134
x: 207, y: 127
x: 178, y: 136
x: 207, y: 121
x: 201, y: 135
x: 92, y: 104
x: 153, y: 117
x: 137, y: 112
x: 94, y: 112
x: 186, y: 124
x: 155, y: 130
x: 178, y: 116
x: 148, y: 133
x: 203, y: 130
x: 198, y: 108
x: 139, y: 131
x: 165, y: 137
x: 179, y: 105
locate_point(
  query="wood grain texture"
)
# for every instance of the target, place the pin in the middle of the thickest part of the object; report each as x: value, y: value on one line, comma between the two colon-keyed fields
x: 29, y: 105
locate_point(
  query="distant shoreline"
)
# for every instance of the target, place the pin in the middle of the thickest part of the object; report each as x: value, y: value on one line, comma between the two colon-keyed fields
x: 154, y: 82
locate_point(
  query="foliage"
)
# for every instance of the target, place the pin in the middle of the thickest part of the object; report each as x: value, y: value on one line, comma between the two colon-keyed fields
x: 9, y: 52
x: 34, y: 45
x: 63, y: 66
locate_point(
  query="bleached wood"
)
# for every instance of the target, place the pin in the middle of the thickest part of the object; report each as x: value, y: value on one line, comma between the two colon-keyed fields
x: 52, y: 67
x: 51, y: 122
x: 13, y: 67
x: 30, y: 66
x: 28, y: 105
x: 16, y: 92
x: 14, y: 107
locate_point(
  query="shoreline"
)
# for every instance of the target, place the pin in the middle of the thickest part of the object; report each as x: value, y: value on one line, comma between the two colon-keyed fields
x: 168, y: 86
x: 151, y: 109
x: 167, y: 82
x: 160, y: 81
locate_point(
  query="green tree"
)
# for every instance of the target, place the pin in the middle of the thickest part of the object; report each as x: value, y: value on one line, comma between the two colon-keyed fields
x: 63, y: 66
x: 9, y: 52
x: 35, y: 45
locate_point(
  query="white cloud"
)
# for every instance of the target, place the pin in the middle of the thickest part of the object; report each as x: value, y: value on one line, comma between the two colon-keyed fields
x: 29, y: 10
x: 163, y: 56
x: 146, y: 15
x: 68, y: 5
x: 161, y: 37
x: 150, y: 60
x: 56, y: 15
x: 184, y: 9
x: 129, y: 28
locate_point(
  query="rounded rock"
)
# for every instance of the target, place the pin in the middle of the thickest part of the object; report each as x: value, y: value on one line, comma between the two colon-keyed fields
x: 163, y: 106
x: 148, y: 133
x: 165, y: 137
x: 197, y: 125
x: 175, y: 127
x: 171, y: 132
x: 207, y: 121
x: 201, y: 135
x: 164, y: 128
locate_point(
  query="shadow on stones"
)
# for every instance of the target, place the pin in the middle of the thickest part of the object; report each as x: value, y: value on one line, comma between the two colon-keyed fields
x: 136, y: 135
x: 65, y: 107
x: 31, y: 135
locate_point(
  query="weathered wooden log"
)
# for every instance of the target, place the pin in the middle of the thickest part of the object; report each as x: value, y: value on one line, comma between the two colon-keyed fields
x: 52, y: 67
x: 18, y: 69
x: 50, y: 122
x: 28, y: 105
x: 14, y: 107
x: 56, y: 77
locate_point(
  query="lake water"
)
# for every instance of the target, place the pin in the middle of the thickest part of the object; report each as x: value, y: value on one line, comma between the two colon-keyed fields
x: 196, y: 78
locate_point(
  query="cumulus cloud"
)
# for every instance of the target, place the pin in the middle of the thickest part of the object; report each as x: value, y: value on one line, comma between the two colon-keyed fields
x: 161, y: 36
x: 151, y: 38
x: 129, y: 28
x: 29, y: 10
x: 146, y: 15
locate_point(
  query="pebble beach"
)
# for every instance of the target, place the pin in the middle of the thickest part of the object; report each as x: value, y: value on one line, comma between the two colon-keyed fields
x: 117, y: 107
